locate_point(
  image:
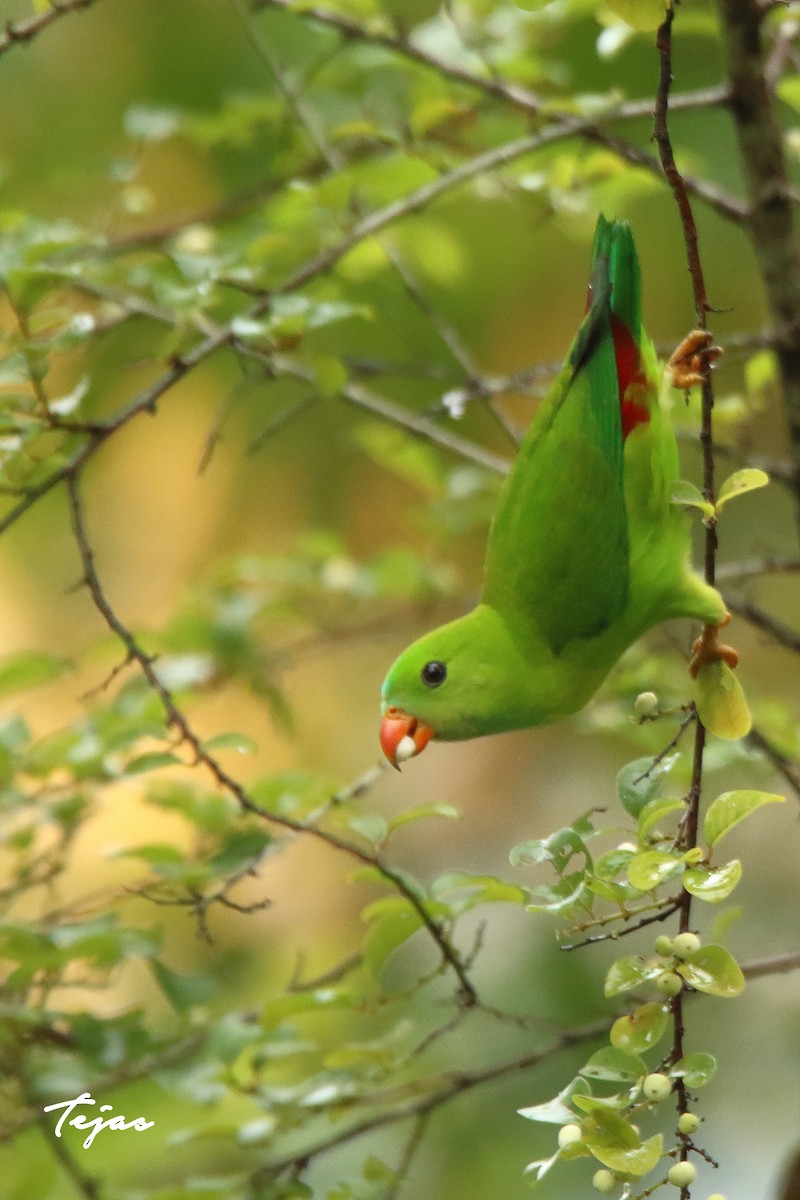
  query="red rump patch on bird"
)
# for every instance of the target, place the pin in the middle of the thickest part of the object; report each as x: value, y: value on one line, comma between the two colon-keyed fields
x: 628, y: 372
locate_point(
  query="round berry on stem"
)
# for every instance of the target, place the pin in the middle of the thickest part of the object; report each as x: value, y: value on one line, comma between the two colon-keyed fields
x: 682, y: 1174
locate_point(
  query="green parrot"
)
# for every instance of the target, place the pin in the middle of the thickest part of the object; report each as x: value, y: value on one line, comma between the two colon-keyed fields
x: 586, y: 552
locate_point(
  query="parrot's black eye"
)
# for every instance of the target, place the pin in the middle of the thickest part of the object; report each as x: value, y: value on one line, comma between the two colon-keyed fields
x: 433, y: 673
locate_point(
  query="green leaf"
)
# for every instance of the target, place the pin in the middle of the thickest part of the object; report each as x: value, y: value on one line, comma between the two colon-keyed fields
x: 694, y: 1069
x: 643, y: 15
x: 292, y: 1004
x: 413, y: 460
x: 558, y: 849
x: 713, y: 884
x: 483, y: 889
x: 240, y: 848
x: 615, y: 1066
x: 653, y: 813
x: 555, y: 1111
x: 615, y: 1143
x: 746, y: 480
x: 150, y: 762
x: 241, y: 742
x: 761, y: 368
x: 638, y: 1031
x: 730, y: 808
x: 614, y: 893
x: 182, y: 991
x: 232, y: 1034
x: 421, y: 812
x: 637, y: 1160
x: 616, y: 1103
x: 628, y: 973
x: 687, y: 495
x: 397, y: 922
x: 653, y: 867
x: 370, y: 826
x: 29, y: 668
x: 637, y: 782
x: 721, y: 703
x: 714, y: 971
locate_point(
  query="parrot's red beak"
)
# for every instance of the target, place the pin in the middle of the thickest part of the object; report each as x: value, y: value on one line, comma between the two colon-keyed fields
x: 402, y: 736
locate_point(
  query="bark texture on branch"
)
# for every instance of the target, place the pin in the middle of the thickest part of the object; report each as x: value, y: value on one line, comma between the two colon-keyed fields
x: 772, y: 220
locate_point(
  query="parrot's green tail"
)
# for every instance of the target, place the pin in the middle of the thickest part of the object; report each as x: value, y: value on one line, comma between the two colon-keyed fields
x: 614, y: 259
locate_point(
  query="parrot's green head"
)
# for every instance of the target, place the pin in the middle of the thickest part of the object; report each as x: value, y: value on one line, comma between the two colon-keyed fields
x: 454, y: 683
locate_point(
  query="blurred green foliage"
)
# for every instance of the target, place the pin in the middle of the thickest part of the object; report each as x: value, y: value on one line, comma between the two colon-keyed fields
x: 281, y: 287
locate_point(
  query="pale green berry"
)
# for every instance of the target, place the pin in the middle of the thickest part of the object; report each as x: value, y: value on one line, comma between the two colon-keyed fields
x: 682, y: 1174
x: 604, y: 1182
x: 646, y: 704
x: 688, y: 1123
x: 663, y: 946
x: 656, y: 1086
x: 669, y: 984
x: 568, y: 1134
x: 685, y: 945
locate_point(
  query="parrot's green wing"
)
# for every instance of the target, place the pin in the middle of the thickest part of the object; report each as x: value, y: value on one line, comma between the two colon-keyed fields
x: 558, y: 550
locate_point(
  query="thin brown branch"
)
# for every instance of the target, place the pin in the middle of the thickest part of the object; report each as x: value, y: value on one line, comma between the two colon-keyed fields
x: 177, y: 720
x: 170, y: 1055
x: 86, y: 1185
x: 757, y: 616
x: 785, y: 766
x: 664, y: 909
x: 754, y: 568
x: 781, y: 964
x: 410, y: 1149
x: 527, y: 101
x: 456, y: 1084
x: 16, y: 33
x: 688, y: 831
x: 425, y: 428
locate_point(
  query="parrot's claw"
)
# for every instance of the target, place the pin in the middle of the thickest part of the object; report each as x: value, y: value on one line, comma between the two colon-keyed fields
x: 708, y: 648
x: 686, y: 363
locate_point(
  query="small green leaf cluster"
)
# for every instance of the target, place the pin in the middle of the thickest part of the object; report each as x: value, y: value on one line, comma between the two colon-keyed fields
x: 632, y: 875
x: 600, y: 1111
x: 747, y: 479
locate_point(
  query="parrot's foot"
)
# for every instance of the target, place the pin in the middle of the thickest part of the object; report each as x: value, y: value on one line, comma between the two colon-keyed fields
x: 686, y: 363
x: 708, y: 648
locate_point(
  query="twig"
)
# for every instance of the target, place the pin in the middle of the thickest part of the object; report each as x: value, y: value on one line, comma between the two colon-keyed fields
x: 298, y: 984
x: 777, y: 630
x: 524, y: 99
x: 785, y: 766
x: 686, y: 721
x: 754, y: 568
x: 85, y: 1184
x: 456, y: 1085
x: 18, y: 32
x: 425, y: 428
x: 407, y: 1157
x: 687, y: 835
x: 664, y: 909
x: 170, y: 1055
x: 779, y: 965
x: 175, y: 718
x: 307, y: 119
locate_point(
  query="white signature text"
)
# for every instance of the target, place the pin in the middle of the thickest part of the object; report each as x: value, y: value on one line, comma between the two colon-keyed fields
x: 117, y: 1123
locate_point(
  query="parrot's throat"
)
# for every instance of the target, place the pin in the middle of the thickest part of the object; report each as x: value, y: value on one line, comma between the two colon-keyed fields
x: 631, y: 380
